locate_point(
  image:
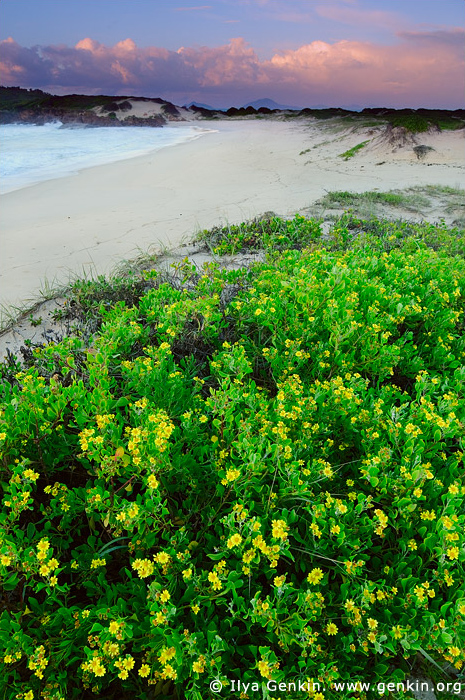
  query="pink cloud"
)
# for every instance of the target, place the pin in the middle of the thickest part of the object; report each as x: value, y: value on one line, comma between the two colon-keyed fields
x: 421, y: 69
x: 360, y: 17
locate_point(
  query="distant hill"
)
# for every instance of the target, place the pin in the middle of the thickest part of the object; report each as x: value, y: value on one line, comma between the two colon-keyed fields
x: 200, y: 104
x: 269, y: 104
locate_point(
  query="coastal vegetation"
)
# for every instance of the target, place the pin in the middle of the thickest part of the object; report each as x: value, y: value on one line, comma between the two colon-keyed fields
x: 18, y: 103
x: 250, y: 473
x: 352, y: 151
x: 395, y: 204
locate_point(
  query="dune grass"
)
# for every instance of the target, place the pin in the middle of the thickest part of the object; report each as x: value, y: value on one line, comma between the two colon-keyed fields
x: 352, y: 151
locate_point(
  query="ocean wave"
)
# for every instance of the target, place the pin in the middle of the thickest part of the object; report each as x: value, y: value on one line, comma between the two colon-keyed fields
x: 32, y: 153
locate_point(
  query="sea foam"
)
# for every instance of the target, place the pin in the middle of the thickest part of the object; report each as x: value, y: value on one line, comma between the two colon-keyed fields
x: 31, y: 154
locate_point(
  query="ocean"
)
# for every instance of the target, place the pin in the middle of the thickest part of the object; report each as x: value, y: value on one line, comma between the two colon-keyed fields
x: 31, y: 154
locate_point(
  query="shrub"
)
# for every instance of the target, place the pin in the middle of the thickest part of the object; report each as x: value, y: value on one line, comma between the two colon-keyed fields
x: 284, y: 503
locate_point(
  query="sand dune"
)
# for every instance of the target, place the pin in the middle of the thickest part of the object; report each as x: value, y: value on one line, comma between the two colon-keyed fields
x: 90, y: 221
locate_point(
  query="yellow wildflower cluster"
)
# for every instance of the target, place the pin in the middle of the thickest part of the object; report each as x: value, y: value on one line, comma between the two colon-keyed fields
x: 86, y: 436
x: 144, y: 567
x: 234, y: 541
x: 199, y: 665
x: 165, y: 655
x: 272, y: 552
x: 352, y: 566
x: 315, y: 576
x: 38, y: 662
x: 42, y: 548
x: 104, y: 420
x: 215, y: 581
x: 152, y: 481
x: 30, y: 475
x: 413, y: 430
x: 164, y: 429
x: 382, y: 522
x: 231, y: 475
x: 136, y: 437
x: 279, y: 529
x: 95, y: 563
x: 124, y: 665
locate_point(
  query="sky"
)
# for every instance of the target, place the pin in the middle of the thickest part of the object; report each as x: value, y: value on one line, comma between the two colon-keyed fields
x: 303, y: 53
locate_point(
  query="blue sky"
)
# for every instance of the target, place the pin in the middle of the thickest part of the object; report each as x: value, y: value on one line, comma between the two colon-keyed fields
x: 268, y: 25
x: 40, y: 39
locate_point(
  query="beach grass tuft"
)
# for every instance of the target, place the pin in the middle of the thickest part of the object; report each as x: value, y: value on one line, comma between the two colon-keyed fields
x: 352, y: 151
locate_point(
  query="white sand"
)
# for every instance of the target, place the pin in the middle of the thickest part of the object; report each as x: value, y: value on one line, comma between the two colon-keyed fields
x: 92, y: 220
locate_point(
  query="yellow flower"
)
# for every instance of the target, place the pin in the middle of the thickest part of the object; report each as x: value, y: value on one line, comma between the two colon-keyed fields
x: 195, y: 609
x: 331, y: 628
x: 144, y: 670
x: 128, y: 663
x: 372, y: 624
x: 96, y: 666
x: 29, y: 474
x: 5, y: 560
x: 264, y: 668
x: 164, y: 596
x: 95, y: 563
x: 29, y: 695
x: 279, y: 529
x: 162, y: 558
x: 215, y: 581
x: 152, y: 481
x: 453, y: 552
x: 166, y: 654
x: 454, y: 651
x: 234, y: 541
x: 187, y: 574
x: 315, y: 576
x: 279, y: 581
x: 169, y: 672
x: 113, y: 627
x: 144, y: 567
x: 199, y: 666
x: 43, y: 545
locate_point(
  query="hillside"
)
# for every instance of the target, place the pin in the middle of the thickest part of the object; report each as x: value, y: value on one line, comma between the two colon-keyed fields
x: 37, y: 107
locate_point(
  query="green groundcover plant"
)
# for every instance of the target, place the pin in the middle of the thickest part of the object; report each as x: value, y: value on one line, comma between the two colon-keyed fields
x: 252, y: 475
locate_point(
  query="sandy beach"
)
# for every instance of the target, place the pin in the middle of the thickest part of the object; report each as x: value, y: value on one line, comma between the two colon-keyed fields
x: 88, y: 222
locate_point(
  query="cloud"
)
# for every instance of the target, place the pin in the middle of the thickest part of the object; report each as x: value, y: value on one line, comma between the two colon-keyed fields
x: 360, y: 17
x: 421, y: 69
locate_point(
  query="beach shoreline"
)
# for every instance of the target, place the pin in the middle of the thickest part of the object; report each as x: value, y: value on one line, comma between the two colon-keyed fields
x: 85, y: 223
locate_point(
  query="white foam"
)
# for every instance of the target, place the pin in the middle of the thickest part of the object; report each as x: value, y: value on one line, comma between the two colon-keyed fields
x: 31, y: 154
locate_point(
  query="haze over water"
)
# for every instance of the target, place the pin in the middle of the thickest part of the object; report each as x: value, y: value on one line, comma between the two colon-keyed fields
x: 31, y: 154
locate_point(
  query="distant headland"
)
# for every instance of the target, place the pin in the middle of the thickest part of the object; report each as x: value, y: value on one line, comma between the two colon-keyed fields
x: 27, y: 106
